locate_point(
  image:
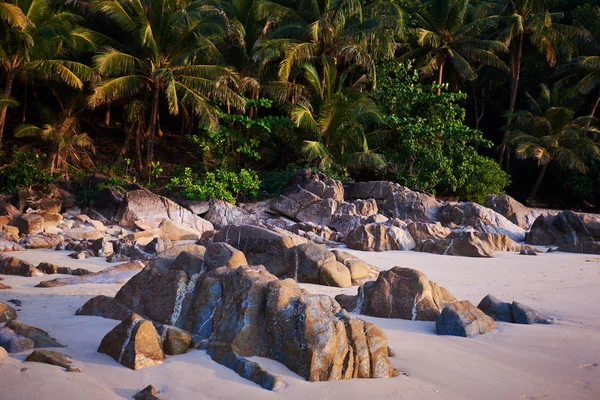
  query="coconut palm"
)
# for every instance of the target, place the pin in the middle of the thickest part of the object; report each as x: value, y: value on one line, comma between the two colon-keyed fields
x: 61, y: 132
x: 347, y: 31
x: 549, y: 132
x: 585, y: 71
x: 531, y: 20
x: 338, y: 122
x: 166, y: 53
x: 447, y: 40
x: 35, y: 41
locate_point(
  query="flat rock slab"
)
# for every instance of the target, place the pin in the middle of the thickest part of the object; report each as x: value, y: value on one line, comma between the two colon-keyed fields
x: 52, y: 358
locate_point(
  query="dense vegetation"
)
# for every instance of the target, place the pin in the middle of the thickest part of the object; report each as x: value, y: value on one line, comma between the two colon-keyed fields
x: 459, y: 98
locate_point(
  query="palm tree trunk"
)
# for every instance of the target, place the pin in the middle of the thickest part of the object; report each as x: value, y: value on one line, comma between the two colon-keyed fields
x: 138, y: 147
x: 593, y: 111
x: 538, y: 183
x: 7, y: 92
x: 440, y: 76
x: 107, y: 116
x: 152, y: 130
x: 515, y: 71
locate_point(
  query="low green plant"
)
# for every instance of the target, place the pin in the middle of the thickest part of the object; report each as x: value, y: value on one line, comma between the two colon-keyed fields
x: 275, y: 181
x: 25, y: 170
x: 221, y: 184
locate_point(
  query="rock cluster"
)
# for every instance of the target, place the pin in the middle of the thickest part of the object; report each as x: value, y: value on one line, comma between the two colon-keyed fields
x: 570, y: 231
x: 238, y: 312
x: 15, y: 337
x: 514, y: 312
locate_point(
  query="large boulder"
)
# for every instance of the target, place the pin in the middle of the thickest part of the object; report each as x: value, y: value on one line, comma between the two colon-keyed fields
x: 514, y: 211
x: 378, y: 237
x: 399, y: 293
x: 463, y: 319
x: 313, y: 263
x: 244, y: 312
x: 29, y: 223
x: 133, y: 343
x: 221, y: 213
x: 145, y: 205
x: 480, y: 218
x: 396, y: 201
x: 107, y: 202
x: 174, y: 231
x: 572, y: 232
x: 8, y: 210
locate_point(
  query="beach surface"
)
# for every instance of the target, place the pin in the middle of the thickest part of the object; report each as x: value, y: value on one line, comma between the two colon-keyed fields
x: 559, y: 361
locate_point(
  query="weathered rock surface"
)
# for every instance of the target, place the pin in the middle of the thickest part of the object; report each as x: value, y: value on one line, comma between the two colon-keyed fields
x: 44, y: 240
x: 471, y: 244
x: 463, y: 319
x: 28, y: 223
x: 133, y: 343
x: 111, y: 275
x: 40, y: 337
x: 571, y: 232
x: 396, y: 201
x: 511, y: 312
x: 15, y: 266
x: 221, y: 213
x: 7, y: 246
x: 377, y: 237
x: 50, y: 269
x: 222, y: 254
x: 523, y: 314
x: 173, y: 231
x: 52, y: 358
x: 107, y: 202
x: 7, y: 313
x: 13, y: 342
x: 399, y: 293
x: 514, y: 211
x: 480, y: 218
x: 8, y: 210
x: 144, y: 205
x: 422, y: 231
x: 313, y: 263
x: 246, y: 311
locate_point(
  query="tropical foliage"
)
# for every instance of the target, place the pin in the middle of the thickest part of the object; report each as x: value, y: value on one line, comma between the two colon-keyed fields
x: 205, y: 96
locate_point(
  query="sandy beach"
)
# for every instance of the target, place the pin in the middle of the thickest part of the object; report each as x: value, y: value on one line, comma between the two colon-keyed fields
x: 558, y: 361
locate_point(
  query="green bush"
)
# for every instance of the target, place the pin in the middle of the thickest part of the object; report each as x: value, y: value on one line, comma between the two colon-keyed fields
x: 220, y: 184
x: 25, y: 170
x: 275, y: 181
x: 479, y: 176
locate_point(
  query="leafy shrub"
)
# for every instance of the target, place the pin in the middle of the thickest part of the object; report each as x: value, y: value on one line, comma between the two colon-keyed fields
x: 221, y: 184
x: 478, y: 177
x: 275, y: 181
x: 25, y: 170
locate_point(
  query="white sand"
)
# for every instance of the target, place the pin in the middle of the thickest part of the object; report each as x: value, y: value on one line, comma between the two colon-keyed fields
x: 514, y: 362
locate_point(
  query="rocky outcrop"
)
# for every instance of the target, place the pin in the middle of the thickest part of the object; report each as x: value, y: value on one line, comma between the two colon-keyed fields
x: 44, y: 240
x: 29, y: 223
x: 378, y: 237
x: 133, y: 343
x: 8, y: 246
x: 396, y: 201
x: 463, y: 319
x: 571, y: 232
x: 7, y: 313
x: 481, y: 219
x: 313, y: 263
x: 15, y: 266
x: 145, y: 205
x: 360, y: 271
x: 111, y: 275
x: 50, y: 269
x: 514, y: 312
x: 399, y: 293
x: 472, y: 244
x: 422, y: 231
x: 514, y: 211
x: 52, y: 358
x: 246, y: 311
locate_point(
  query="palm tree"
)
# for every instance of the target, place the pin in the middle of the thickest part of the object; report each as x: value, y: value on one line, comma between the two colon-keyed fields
x: 338, y: 121
x: 62, y: 133
x: 549, y: 132
x: 531, y: 20
x: 165, y: 44
x: 346, y: 31
x: 586, y: 71
x: 34, y: 42
x: 447, y: 39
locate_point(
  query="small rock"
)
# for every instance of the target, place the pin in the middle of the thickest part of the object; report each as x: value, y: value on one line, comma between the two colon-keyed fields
x: 7, y: 313
x: 148, y: 393
x: 526, y: 252
x: 463, y: 319
x: 52, y: 358
x: 13, y: 342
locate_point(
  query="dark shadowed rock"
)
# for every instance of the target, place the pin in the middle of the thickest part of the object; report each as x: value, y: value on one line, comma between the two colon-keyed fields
x: 50, y: 269
x: 523, y: 314
x: 399, y: 293
x: 148, y: 393
x: 572, y: 232
x: 104, y: 306
x: 496, y: 309
x: 222, y: 254
x: 52, y: 358
x: 133, y: 343
x: 13, y: 342
x: 173, y: 340
x: 107, y: 202
x: 463, y: 319
x: 40, y: 337
x: 8, y: 210
x: 254, y: 239
x: 7, y: 313
x: 376, y: 237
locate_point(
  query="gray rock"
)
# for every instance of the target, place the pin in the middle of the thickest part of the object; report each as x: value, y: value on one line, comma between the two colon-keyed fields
x: 496, y: 309
x: 526, y: 315
x: 463, y: 319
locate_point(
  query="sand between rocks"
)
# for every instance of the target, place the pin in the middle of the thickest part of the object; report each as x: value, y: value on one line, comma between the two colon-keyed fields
x: 521, y: 362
